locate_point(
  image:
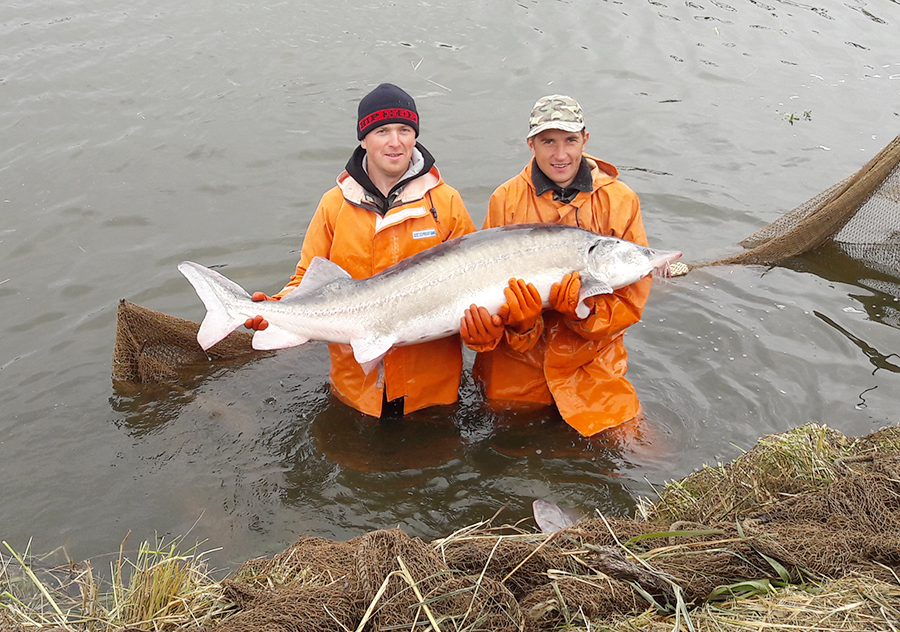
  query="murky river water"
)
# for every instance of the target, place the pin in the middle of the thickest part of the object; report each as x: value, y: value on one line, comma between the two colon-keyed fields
x: 136, y: 135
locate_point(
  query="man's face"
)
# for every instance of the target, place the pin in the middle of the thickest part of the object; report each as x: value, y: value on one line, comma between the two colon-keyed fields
x: 558, y: 154
x: 389, y: 150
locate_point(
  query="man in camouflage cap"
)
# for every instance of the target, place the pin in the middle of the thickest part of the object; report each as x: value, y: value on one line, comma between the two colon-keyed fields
x: 554, y: 357
x: 555, y: 112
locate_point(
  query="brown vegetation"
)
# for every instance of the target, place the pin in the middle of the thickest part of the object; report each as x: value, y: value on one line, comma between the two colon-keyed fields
x: 801, y: 532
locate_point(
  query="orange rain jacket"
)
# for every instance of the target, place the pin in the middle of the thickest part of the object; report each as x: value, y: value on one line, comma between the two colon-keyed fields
x: 347, y: 230
x: 578, y: 364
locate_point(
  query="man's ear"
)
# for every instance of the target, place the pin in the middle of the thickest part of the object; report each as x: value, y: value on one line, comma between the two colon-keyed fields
x: 530, y: 142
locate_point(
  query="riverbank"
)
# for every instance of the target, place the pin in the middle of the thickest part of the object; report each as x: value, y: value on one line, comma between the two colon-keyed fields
x: 801, y: 532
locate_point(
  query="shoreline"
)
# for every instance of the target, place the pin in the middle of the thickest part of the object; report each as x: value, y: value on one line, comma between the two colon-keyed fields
x: 804, y: 524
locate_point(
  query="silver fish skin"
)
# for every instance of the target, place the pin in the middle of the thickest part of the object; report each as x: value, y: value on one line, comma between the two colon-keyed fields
x: 424, y: 296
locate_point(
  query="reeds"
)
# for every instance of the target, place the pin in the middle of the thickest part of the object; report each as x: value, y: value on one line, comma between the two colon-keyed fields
x: 162, y: 589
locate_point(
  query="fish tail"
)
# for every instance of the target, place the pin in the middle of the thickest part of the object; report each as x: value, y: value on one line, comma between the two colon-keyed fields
x: 211, y: 287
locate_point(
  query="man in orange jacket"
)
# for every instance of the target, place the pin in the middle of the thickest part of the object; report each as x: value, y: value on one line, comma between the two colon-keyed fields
x: 390, y: 202
x: 554, y: 356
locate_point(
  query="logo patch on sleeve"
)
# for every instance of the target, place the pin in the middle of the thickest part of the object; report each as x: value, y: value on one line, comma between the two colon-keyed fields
x: 424, y: 234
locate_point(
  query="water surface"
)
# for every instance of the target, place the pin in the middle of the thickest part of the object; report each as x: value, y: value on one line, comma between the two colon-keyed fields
x: 134, y: 137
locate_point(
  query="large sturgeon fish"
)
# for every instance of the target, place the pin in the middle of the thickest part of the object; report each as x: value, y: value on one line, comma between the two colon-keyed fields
x: 424, y: 296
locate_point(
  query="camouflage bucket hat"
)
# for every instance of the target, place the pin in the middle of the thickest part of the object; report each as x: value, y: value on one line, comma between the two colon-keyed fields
x: 556, y: 112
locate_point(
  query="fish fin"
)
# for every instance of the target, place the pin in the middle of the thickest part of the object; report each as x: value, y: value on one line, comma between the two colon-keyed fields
x: 590, y: 287
x: 210, y: 287
x: 275, y: 337
x: 321, y: 271
x: 550, y: 517
x: 368, y: 367
x: 370, y: 351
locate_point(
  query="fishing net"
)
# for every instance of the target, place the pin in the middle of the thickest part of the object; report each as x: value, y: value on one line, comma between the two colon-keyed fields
x: 8, y: 625
x: 473, y: 602
x: 317, y: 561
x: 386, y: 577
x: 591, y: 598
x: 520, y: 563
x: 860, y: 214
x: 152, y: 347
x: 810, y: 504
x: 379, y: 557
x: 295, y: 608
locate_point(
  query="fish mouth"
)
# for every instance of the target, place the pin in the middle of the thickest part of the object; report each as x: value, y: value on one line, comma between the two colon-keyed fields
x: 662, y: 269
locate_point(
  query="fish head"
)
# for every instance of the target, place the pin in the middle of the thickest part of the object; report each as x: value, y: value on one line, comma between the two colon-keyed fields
x: 620, y: 263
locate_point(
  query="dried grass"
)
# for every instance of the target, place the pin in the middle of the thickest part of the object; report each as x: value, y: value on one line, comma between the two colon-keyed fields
x: 161, y: 590
x: 800, y: 533
x: 853, y: 604
x: 778, y: 467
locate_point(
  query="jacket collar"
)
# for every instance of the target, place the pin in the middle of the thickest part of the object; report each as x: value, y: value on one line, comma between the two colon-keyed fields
x: 583, y: 182
x: 601, y: 172
x: 359, y: 189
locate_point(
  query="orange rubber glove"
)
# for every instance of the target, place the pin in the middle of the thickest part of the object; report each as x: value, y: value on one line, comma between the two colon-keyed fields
x: 478, y: 328
x: 564, y: 295
x: 258, y: 323
x: 523, y: 306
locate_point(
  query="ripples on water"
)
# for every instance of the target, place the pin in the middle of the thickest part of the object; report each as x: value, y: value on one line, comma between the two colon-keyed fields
x: 135, y: 138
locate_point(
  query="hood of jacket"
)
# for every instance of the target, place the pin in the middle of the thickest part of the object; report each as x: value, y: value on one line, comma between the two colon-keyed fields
x: 359, y: 189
